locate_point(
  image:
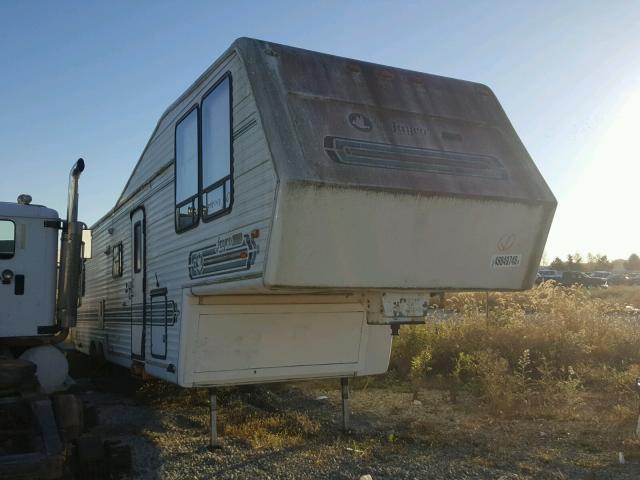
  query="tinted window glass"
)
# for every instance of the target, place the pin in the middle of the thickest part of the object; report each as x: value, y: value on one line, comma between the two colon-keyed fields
x: 186, y: 215
x: 137, y: 247
x: 187, y: 157
x: 216, y: 149
x: 116, y: 261
x: 7, y: 238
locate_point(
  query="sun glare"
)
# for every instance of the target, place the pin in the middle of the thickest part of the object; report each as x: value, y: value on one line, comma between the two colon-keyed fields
x: 599, y: 212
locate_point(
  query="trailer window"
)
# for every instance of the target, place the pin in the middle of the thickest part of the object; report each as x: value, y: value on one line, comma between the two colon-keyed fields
x: 216, y: 150
x: 137, y: 247
x: 7, y: 239
x: 186, y: 171
x: 116, y: 260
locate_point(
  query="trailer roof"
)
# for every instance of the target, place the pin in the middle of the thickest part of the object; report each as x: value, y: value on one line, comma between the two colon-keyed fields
x: 351, y: 123
x: 420, y: 132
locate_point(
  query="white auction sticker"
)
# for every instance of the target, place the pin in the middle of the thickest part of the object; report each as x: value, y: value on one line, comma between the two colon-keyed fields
x: 502, y: 261
x: 405, y: 304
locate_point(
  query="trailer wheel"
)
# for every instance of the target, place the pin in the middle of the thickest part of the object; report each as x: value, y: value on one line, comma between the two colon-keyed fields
x: 93, y: 350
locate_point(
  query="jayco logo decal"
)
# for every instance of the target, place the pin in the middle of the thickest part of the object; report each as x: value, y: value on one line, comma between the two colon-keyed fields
x: 506, y: 242
x: 359, y: 121
x: 230, y: 253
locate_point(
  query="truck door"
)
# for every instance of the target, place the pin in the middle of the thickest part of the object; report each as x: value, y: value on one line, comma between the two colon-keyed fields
x: 27, y: 274
x: 14, y: 307
x: 138, y: 284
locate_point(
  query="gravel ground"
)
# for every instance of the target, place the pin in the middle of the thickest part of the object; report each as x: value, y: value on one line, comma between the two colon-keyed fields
x: 286, y: 432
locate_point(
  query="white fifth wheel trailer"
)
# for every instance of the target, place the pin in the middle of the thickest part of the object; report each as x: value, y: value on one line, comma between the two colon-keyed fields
x: 291, y: 205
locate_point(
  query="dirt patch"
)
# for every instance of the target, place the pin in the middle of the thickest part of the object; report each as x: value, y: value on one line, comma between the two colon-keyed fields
x: 291, y: 432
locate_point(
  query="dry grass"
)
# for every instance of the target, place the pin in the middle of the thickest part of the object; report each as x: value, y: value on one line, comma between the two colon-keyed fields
x: 274, y: 431
x: 547, y: 447
x: 551, y: 355
x: 534, y: 354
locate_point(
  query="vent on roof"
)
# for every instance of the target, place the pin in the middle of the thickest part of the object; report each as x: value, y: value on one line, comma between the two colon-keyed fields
x: 401, y: 157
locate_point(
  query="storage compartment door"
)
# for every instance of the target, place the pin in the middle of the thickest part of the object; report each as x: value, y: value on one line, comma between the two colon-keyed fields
x: 158, y: 319
x: 244, y: 344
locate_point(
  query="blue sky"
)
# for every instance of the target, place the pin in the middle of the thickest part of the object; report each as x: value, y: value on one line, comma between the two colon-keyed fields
x: 91, y: 79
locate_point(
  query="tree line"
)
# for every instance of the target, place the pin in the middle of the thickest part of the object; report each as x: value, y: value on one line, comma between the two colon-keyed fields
x: 575, y: 262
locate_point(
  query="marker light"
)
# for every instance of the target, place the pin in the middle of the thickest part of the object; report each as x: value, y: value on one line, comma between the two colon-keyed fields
x: 7, y: 276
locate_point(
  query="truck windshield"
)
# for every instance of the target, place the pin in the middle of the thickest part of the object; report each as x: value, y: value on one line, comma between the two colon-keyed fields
x: 7, y: 238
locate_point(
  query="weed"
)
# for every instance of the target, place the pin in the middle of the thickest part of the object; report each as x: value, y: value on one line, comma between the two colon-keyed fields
x: 534, y: 353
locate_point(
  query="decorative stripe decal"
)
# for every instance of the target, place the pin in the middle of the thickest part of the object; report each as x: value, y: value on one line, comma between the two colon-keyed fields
x: 242, y: 129
x: 363, y: 153
x: 229, y: 254
x: 133, y: 314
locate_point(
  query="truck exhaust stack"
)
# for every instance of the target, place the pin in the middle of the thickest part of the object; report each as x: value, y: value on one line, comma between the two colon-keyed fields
x: 71, y: 243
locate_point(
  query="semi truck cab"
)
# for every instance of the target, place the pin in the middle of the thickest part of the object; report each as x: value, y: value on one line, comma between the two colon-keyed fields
x: 28, y: 256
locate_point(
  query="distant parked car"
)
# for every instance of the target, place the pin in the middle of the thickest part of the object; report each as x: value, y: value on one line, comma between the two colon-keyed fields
x: 600, y: 274
x: 579, y: 278
x: 544, y: 275
x: 620, y: 279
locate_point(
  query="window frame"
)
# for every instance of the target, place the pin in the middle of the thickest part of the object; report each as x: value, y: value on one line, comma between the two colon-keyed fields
x: 195, y: 198
x: 223, y: 181
x: 3, y: 255
x: 117, y: 249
